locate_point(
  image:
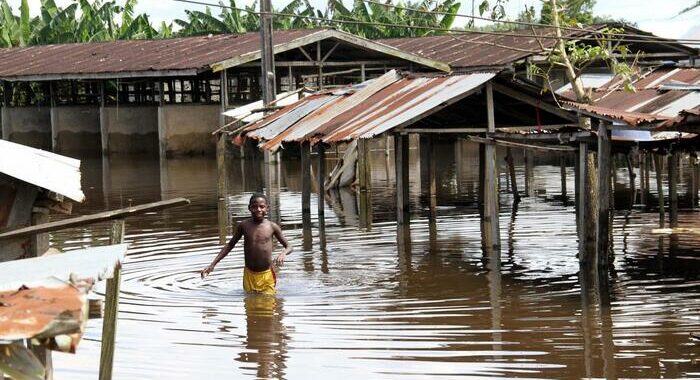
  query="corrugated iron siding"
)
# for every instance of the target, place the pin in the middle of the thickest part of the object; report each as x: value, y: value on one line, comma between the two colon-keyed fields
x: 186, y: 53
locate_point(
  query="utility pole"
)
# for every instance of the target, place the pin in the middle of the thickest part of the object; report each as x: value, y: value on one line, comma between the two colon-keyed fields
x: 268, y: 61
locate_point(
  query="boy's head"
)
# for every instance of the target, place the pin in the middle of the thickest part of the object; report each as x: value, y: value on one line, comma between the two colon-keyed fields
x: 258, y: 206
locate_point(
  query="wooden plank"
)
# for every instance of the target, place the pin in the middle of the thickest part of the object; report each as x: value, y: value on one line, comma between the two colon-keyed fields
x: 401, y: 168
x: 94, y: 218
x: 113, y: 75
x: 604, y: 188
x: 443, y: 130
x: 109, y: 325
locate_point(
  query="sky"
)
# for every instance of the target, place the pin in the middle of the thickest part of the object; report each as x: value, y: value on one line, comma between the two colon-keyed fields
x: 656, y: 16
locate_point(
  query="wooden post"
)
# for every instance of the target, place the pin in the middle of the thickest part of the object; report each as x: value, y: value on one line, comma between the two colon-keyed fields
x: 306, y: 177
x: 401, y: 167
x: 513, y: 178
x: 221, y: 143
x: 321, y: 150
x: 693, y: 184
x: 55, y: 143
x: 633, y: 177
x: 642, y: 178
x: 673, y: 189
x: 582, y: 201
x: 363, y: 76
x: 492, y: 238
x: 432, y: 178
x: 562, y: 171
x: 529, y: 174
x: 109, y: 326
x: 267, y: 55
x: 39, y: 245
x: 604, y: 157
x: 364, y: 177
x: 319, y: 63
x: 659, y: 169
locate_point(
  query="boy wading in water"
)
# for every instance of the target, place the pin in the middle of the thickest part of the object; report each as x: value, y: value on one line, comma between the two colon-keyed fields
x: 258, y: 275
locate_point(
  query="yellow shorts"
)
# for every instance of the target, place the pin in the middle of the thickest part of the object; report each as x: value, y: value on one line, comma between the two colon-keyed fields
x: 259, y: 282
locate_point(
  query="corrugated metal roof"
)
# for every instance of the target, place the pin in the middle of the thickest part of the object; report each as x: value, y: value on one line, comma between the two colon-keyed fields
x: 388, y: 102
x: 630, y: 118
x: 173, y: 56
x: 134, y: 56
x: 41, y: 168
x: 652, y: 102
x: 469, y: 50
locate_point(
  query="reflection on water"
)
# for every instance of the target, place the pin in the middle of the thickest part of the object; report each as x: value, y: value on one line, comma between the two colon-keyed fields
x: 360, y: 297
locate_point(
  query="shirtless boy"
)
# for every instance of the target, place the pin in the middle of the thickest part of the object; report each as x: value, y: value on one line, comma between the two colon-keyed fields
x: 258, y: 275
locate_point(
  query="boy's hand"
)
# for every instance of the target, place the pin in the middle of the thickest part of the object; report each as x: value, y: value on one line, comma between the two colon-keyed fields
x: 279, y: 260
x: 205, y: 272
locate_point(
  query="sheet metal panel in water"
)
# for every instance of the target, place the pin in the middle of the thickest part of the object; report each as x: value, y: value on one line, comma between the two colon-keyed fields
x: 96, y: 262
x: 44, y: 169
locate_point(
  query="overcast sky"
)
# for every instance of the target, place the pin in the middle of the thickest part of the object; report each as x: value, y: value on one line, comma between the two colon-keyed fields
x: 656, y: 16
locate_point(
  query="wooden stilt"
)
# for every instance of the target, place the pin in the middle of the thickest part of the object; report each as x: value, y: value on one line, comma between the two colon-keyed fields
x: 591, y: 207
x: 306, y: 177
x: 109, y: 326
x: 562, y: 171
x: 432, y: 178
x: 221, y: 164
x: 659, y: 169
x: 529, y: 174
x: 647, y: 176
x: 364, y: 170
x: 321, y: 150
x: 632, y: 176
x: 401, y: 167
x: 491, y: 234
x: 642, y: 178
x: 673, y: 189
x: 511, y: 174
x: 693, y: 184
x: 604, y: 167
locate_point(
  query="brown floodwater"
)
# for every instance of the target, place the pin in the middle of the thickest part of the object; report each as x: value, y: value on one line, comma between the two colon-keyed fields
x: 373, y: 301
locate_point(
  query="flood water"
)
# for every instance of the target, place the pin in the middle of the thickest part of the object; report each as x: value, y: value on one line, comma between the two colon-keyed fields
x: 359, y: 301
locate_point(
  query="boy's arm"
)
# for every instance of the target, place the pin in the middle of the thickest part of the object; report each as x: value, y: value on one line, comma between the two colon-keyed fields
x: 237, y: 234
x: 277, y: 231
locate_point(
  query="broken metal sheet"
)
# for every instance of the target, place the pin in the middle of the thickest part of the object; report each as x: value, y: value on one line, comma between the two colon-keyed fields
x: 96, y: 262
x: 420, y: 97
x: 287, y: 117
x: 44, y: 169
x: 308, y: 126
x: 56, y: 316
x: 245, y: 113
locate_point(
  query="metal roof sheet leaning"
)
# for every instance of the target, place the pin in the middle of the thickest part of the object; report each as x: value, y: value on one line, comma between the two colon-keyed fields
x: 48, y: 170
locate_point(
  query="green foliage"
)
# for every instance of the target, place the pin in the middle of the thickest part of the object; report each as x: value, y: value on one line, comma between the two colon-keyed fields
x: 573, y: 12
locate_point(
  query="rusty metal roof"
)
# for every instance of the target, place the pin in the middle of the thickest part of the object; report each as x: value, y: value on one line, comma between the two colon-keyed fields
x: 168, y: 57
x: 661, y: 94
x: 43, y: 312
x: 478, y: 50
x: 391, y: 101
x: 630, y: 118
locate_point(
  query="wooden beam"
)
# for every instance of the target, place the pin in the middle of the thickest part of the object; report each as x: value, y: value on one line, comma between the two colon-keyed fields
x: 112, y: 75
x: 673, y: 177
x: 325, y: 57
x: 582, y: 201
x: 306, y: 54
x: 321, y: 177
x: 534, y: 102
x: 511, y: 173
x: 337, y: 35
x: 93, y: 218
x: 520, y: 145
x: 442, y: 130
x: 659, y: 169
x: 109, y: 325
x: 312, y: 63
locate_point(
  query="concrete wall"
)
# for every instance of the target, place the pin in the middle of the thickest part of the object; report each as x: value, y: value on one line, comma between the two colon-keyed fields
x: 185, y: 129
x: 132, y: 129
x: 27, y: 125
x: 75, y: 128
